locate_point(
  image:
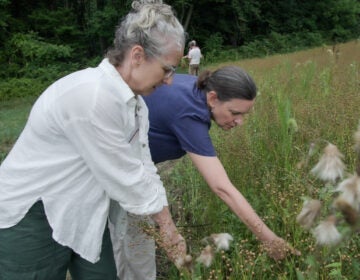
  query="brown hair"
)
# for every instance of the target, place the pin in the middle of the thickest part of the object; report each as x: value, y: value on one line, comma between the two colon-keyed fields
x: 229, y: 82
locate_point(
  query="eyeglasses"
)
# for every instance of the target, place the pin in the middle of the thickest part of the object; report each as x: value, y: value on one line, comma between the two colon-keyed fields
x: 168, y: 69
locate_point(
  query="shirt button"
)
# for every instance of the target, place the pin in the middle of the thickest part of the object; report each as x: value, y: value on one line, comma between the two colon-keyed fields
x: 144, y: 145
x: 138, y: 108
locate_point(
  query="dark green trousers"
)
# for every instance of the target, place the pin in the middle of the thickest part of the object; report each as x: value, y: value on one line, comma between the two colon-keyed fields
x: 28, y: 252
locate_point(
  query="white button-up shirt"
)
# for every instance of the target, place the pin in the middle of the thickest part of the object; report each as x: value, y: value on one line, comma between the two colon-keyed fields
x: 85, y: 143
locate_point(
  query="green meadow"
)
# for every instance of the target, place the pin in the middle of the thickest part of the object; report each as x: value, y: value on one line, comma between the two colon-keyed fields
x: 307, y: 97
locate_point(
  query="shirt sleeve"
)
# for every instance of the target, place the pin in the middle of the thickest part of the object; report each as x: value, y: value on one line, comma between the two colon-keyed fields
x: 193, y: 135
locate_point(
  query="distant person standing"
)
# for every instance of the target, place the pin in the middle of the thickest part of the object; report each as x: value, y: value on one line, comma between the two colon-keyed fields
x: 194, y: 57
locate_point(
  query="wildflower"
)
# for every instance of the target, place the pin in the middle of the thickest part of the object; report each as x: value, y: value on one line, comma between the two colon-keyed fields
x: 350, y: 191
x: 305, y: 161
x: 357, y: 140
x: 221, y: 240
x: 310, y: 211
x: 351, y: 216
x: 330, y: 166
x: 311, y: 149
x: 184, y: 262
x: 330, y: 52
x: 207, y: 256
x: 292, y: 125
x: 326, y: 232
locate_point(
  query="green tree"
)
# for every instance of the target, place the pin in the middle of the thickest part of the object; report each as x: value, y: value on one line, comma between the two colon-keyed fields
x: 338, y: 20
x: 4, y: 21
x: 75, y: 31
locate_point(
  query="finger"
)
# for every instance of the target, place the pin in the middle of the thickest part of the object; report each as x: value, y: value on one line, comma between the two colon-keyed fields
x: 182, y: 246
x: 295, y: 252
x: 292, y: 250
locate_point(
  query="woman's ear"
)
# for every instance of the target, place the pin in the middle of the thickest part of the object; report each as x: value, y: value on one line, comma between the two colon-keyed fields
x: 137, y: 54
x: 212, y: 98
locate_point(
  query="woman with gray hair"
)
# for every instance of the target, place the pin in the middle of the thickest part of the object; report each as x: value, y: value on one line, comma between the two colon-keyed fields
x: 180, y: 117
x: 86, y: 144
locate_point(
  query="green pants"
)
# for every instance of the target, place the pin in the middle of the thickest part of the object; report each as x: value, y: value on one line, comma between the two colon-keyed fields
x: 28, y: 252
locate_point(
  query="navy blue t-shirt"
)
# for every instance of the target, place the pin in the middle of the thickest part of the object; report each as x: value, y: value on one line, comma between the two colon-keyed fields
x: 179, y: 120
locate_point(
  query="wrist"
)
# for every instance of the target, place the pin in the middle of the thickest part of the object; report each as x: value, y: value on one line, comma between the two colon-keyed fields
x: 268, y: 237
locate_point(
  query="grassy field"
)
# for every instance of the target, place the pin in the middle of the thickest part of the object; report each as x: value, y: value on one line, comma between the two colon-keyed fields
x: 317, y: 91
x: 306, y: 97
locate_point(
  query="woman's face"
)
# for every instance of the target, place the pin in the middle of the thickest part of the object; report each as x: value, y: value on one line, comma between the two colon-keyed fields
x: 229, y: 114
x: 155, y: 71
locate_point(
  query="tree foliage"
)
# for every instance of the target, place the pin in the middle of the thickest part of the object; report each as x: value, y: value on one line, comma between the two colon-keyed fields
x: 46, y: 32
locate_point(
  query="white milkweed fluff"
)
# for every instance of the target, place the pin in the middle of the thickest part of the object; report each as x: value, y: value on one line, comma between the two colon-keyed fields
x: 326, y: 232
x: 221, y: 240
x: 330, y: 166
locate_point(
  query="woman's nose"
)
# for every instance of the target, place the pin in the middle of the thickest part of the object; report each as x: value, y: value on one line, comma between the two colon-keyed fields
x: 239, y: 121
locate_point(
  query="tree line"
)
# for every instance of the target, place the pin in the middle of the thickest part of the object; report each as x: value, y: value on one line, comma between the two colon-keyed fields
x: 65, y: 34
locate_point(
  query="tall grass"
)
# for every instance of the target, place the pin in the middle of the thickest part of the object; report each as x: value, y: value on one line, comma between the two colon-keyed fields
x: 304, y: 97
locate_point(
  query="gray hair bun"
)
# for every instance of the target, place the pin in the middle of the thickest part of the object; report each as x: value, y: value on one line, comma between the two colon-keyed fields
x: 136, y: 5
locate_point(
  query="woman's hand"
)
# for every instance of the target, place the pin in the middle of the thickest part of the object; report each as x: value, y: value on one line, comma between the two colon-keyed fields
x: 168, y: 237
x: 173, y: 243
x: 278, y: 249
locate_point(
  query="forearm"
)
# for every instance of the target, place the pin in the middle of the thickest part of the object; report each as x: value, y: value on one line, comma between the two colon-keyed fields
x: 169, y: 238
x: 163, y: 220
x: 215, y: 176
x: 241, y: 207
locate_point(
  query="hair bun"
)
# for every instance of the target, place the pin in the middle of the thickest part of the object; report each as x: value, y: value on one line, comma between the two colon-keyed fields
x: 138, y: 4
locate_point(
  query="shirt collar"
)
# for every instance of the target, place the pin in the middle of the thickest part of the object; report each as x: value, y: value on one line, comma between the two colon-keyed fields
x: 124, y: 90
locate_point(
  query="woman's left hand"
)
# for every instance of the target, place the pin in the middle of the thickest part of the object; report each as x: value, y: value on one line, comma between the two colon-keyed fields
x: 174, y: 245
x: 278, y: 249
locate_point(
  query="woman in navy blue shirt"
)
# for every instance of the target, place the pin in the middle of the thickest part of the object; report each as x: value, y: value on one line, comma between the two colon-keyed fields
x: 180, y: 116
